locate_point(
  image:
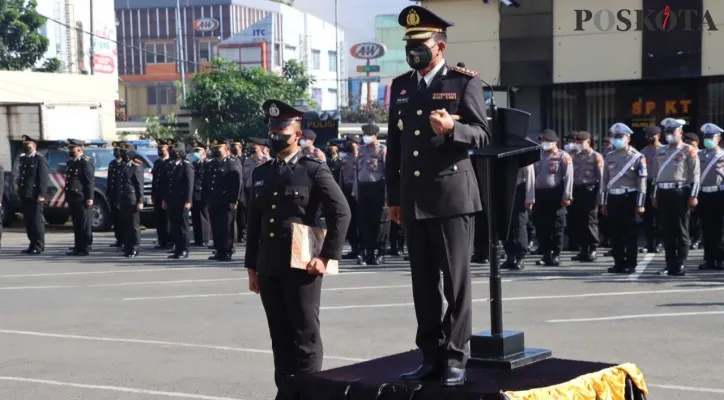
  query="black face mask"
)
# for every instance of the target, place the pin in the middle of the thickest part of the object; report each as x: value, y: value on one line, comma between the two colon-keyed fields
x: 122, y: 153
x: 116, y: 153
x: 27, y: 149
x: 71, y: 154
x: 651, y: 140
x: 172, y: 154
x: 161, y: 153
x: 180, y: 154
x: 130, y: 155
x: 419, y: 56
x: 279, y: 142
x: 235, y: 151
x: 216, y: 153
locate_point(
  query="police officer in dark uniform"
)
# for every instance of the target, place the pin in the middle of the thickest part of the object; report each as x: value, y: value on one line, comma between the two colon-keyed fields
x: 130, y: 182
x: 199, y: 211
x: 159, y: 186
x: 239, y: 157
x: 79, y: 188
x: 373, y: 220
x: 257, y: 156
x: 112, y: 194
x: 224, y: 191
x: 290, y: 189
x: 437, y: 114
x: 711, y: 197
x: 32, y: 185
x: 178, y: 202
x: 334, y: 161
x: 348, y: 183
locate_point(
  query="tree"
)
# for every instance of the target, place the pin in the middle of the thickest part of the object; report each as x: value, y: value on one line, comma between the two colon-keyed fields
x: 21, y: 44
x: 228, y: 98
x: 157, y: 130
x: 49, y: 65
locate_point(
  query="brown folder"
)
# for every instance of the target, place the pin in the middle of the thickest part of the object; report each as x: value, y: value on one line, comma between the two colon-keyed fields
x: 307, y: 243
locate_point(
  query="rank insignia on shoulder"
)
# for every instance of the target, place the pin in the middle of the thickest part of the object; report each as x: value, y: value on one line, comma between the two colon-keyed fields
x: 464, y: 71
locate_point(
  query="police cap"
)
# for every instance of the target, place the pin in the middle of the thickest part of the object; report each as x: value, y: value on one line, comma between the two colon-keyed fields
x: 128, y: 146
x: 199, y: 145
x: 171, y: 142
x: 671, y: 124
x: 259, y: 141
x: 27, y: 138
x: 370, y: 129
x: 549, y: 135
x: 75, y: 143
x: 691, y: 136
x: 309, y: 134
x: 581, y: 135
x: 354, y: 139
x: 709, y: 129
x: 281, y: 114
x: 220, y: 142
x: 162, y: 142
x: 421, y: 23
x: 619, y: 128
x: 652, y: 130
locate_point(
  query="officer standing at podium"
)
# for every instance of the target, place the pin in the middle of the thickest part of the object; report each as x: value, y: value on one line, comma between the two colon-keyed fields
x: 622, y: 197
x: 675, y: 194
x: 711, y: 198
x: 32, y: 185
x: 437, y: 114
x: 79, y: 188
x: 289, y: 190
x: 553, y: 193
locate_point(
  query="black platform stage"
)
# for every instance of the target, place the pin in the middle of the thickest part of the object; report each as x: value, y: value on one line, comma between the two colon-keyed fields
x: 377, y: 380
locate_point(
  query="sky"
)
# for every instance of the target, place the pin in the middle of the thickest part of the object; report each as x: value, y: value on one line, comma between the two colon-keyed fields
x: 356, y: 17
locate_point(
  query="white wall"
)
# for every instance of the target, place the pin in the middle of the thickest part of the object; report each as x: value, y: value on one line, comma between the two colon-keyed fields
x: 41, y: 87
x: 712, y: 62
x: 584, y: 56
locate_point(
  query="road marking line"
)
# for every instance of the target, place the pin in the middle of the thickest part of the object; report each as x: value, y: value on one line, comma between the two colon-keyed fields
x: 638, y: 316
x: 156, y: 342
x: 641, y: 267
x: 121, y: 284
x: 685, y: 388
x: 120, y: 271
x: 335, y: 289
x: 562, y: 296
x: 115, y: 388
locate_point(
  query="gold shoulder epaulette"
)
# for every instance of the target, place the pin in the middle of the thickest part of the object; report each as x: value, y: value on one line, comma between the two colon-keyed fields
x: 464, y: 71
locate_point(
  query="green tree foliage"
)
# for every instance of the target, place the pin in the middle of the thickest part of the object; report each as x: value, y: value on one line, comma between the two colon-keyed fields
x: 21, y: 44
x: 228, y: 98
x: 50, y: 65
x: 157, y: 130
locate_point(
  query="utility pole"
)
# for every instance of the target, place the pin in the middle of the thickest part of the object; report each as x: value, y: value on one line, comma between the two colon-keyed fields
x: 337, y: 55
x: 180, y: 53
x: 92, y: 40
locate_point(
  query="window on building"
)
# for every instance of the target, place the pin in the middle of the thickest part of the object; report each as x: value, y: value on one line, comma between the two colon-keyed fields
x: 316, y: 60
x: 277, y: 55
x: 160, y: 52
x: 317, y: 95
x: 290, y: 52
x: 207, y: 50
x: 332, y: 61
x: 332, y: 97
x: 161, y: 95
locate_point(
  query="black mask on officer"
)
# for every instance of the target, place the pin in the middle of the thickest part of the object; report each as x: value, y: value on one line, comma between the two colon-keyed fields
x: 122, y: 153
x: 215, y: 153
x: 419, y: 55
x: 180, y: 154
x: 130, y: 155
x: 117, y: 153
x: 279, y: 142
x: 27, y: 149
x: 172, y: 153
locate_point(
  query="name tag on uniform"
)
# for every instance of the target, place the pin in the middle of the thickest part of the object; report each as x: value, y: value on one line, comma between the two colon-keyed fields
x: 402, y: 100
x: 259, y: 183
x: 444, y: 96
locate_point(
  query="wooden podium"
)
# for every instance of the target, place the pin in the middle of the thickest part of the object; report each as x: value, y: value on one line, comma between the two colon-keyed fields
x: 497, y: 168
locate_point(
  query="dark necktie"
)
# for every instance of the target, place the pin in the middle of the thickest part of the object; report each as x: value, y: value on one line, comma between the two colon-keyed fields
x: 422, y: 86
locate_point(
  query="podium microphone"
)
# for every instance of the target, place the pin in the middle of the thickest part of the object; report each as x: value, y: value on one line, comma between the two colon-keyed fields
x: 493, y: 107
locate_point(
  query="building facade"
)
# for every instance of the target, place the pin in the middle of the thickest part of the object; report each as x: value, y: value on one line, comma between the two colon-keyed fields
x: 249, y: 32
x: 68, y: 30
x: 389, y: 32
x: 585, y: 64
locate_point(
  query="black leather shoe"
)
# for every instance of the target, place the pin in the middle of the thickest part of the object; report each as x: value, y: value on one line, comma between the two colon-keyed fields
x: 131, y: 254
x: 73, y: 252
x: 615, y: 270
x: 553, y: 262
x: 352, y: 255
x: 707, y: 265
x: 517, y: 265
x: 425, y: 372
x: 452, y: 376
x: 226, y: 257
x: 176, y: 256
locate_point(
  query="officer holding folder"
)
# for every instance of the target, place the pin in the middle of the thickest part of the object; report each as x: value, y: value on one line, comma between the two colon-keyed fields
x: 290, y: 189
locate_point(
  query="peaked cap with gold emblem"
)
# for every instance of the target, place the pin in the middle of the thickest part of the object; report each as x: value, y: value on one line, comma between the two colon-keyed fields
x: 281, y: 114
x: 421, y: 23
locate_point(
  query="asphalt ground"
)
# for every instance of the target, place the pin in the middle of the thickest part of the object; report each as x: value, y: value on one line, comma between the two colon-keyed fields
x: 105, y: 327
